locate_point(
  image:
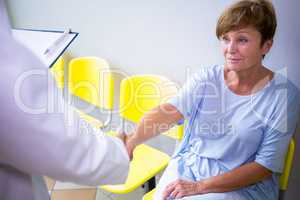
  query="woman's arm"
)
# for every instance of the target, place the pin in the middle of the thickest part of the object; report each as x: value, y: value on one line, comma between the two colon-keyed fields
x: 240, y: 177
x: 158, y: 120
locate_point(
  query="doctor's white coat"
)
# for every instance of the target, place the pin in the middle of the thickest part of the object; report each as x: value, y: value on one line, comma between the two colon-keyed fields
x: 32, y: 145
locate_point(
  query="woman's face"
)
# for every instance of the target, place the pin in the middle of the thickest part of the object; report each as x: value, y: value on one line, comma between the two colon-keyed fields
x: 242, y: 48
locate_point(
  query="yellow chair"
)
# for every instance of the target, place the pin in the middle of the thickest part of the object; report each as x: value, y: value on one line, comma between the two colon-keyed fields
x: 138, y: 95
x: 90, y: 79
x: 57, y: 71
x: 284, y: 178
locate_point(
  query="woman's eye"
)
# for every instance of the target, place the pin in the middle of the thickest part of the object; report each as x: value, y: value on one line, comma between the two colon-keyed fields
x: 225, y: 40
x: 243, y: 40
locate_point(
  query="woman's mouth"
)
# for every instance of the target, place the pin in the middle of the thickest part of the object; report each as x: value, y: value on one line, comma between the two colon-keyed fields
x: 233, y: 60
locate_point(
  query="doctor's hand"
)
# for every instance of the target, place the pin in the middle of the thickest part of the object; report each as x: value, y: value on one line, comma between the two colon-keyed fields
x: 128, y: 142
x: 182, y: 188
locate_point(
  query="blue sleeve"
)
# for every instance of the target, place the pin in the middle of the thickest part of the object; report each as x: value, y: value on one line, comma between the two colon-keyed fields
x: 190, y: 94
x: 278, y: 133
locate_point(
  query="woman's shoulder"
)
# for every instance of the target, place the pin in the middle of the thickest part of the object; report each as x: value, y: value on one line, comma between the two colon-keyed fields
x: 284, y: 102
x: 284, y: 92
x: 281, y: 85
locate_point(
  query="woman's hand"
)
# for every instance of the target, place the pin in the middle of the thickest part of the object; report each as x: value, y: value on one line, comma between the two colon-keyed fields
x: 181, y: 188
x: 237, y: 178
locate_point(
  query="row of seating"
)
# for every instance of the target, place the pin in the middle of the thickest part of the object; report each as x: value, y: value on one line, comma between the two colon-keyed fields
x: 91, y: 79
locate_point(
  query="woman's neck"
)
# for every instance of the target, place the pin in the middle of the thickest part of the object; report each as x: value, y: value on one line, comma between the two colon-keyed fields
x: 249, y: 81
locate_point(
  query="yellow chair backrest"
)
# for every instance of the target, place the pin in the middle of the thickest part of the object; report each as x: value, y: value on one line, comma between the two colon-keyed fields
x: 58, y: 71
x: 141, y: 93
x: 284, y: 178
x: 91, y: 80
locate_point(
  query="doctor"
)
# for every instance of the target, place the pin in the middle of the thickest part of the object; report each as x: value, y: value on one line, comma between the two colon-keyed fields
x: 32, y: 145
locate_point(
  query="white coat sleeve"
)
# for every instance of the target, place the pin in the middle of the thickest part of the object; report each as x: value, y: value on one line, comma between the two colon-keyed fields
x: 40, y: 142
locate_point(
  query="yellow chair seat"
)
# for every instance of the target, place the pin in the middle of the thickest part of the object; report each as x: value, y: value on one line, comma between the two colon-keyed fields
x: 146, y: 163
x: 149, y: 195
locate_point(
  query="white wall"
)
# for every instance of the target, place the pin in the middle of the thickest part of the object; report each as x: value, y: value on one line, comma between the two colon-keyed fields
x: 138, y: 36
x: 158, y: 36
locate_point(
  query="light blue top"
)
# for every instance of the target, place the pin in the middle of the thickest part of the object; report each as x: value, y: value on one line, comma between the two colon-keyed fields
x: 226, y: 130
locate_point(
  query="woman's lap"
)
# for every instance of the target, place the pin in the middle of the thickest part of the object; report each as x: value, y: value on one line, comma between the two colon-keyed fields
x: 171, y: 175
x: 217, y: 196
x: 168, y: 176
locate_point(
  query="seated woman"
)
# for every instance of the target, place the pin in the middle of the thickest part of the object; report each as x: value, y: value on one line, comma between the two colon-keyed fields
x: 241, y: 117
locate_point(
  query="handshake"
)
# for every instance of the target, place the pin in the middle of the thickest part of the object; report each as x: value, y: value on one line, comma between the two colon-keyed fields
x: 130, y: 142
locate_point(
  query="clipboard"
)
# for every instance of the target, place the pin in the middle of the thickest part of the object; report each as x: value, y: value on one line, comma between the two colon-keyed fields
x: 47, y: 45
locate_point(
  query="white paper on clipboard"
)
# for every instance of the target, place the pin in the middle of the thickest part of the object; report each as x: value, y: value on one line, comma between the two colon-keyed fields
x: 38, y: 41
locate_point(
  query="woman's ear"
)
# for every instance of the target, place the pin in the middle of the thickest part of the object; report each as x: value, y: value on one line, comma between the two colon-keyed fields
x: 266, y: 46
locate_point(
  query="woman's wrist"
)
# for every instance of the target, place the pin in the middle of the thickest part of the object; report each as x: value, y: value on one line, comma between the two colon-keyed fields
x: 203, y: 187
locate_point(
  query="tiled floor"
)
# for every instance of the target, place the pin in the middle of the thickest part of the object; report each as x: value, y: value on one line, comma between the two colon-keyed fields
x: 74, y: 194
x: 68, y: 191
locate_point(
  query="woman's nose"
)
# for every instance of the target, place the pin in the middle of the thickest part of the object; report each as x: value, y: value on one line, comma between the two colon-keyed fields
x: 232, y: 47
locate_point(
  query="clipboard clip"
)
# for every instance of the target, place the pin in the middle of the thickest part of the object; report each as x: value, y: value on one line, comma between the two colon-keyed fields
x: 57, y: 42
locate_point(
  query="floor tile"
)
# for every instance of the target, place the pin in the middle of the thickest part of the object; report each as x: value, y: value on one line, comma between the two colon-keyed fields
x: 78, y: 194
x: 66, y: 185
x: 135, y: 195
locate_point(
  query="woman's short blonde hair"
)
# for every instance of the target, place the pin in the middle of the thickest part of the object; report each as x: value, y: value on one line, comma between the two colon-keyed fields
x: 259, y: 14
